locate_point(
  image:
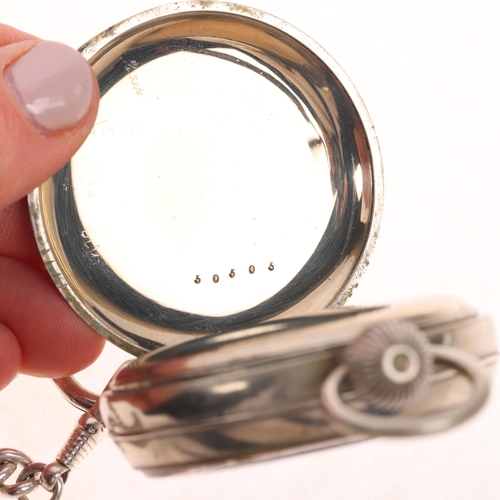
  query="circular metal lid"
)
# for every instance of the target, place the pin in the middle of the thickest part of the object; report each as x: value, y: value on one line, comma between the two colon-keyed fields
x: 233, y: 176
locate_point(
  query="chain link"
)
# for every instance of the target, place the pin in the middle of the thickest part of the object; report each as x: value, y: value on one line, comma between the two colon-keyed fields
x: 51, y: 477
x: 33, y: 475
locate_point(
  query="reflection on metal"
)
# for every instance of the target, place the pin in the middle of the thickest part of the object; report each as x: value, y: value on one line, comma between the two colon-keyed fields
x: 224, y: 136
x: 76, y: 394
x: 281, y: 387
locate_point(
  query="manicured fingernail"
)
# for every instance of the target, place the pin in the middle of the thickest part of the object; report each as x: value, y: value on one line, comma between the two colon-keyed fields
x: 52, y: 84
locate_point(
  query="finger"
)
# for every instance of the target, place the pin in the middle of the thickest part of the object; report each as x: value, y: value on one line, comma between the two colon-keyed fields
x: 16, y: 234
x: 10, y: 356
x: 8, y: 35
x: 53, y: 340
x: 48, y: 103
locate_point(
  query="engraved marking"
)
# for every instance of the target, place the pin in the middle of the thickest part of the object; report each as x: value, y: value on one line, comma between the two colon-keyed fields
x: 96, y: 125
x: 132, y: 65
x: 232, y: 274
x: 92, y: 254
x: 135, y: 84
x: 94, y: 257
x: 118, y: 131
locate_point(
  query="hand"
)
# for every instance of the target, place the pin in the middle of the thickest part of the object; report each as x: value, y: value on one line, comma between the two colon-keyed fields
x: 48, y: 103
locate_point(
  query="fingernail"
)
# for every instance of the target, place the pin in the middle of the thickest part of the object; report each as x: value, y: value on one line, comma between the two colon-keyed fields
x: 52, y: 84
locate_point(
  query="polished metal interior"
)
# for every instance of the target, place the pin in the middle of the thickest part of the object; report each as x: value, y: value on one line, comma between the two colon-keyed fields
x: 232, y: 176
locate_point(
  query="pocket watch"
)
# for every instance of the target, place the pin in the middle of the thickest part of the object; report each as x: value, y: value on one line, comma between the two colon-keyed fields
x: 221, y: 211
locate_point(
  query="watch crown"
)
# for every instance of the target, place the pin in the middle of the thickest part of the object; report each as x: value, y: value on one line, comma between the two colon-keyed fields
x: 389, y: 365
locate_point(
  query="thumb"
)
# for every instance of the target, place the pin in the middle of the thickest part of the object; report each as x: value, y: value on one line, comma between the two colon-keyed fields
x: 48, y: 102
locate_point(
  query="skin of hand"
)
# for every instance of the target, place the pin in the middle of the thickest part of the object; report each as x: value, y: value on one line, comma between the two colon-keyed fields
x: 48, y: 104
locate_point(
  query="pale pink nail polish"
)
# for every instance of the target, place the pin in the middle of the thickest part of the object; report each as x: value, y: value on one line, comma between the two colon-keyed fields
x: 53, y: 85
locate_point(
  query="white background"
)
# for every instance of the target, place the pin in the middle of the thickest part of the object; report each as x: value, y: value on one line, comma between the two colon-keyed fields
x: 428, y: 72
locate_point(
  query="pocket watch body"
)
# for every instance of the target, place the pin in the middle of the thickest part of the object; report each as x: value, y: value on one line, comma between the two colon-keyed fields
x: 301, y: 384
x: 228, y: 197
